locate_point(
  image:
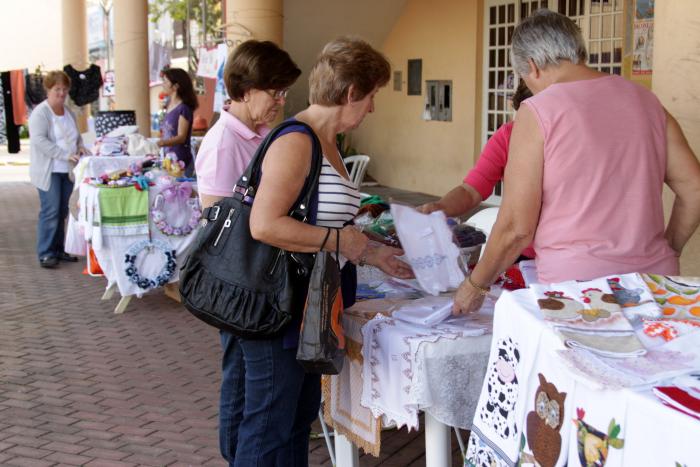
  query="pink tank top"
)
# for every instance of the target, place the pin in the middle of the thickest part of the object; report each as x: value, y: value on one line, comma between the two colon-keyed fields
x: 604, y: 168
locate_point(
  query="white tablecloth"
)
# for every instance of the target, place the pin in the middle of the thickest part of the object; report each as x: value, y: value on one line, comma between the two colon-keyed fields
x: 534, y: 411
x: 110, y: 250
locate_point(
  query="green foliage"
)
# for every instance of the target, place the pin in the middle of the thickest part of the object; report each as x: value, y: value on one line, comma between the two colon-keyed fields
x: 177, y: 9
x: 24, y: 132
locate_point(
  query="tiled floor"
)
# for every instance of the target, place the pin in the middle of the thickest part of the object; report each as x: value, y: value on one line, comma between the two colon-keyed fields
x: 80, y: 385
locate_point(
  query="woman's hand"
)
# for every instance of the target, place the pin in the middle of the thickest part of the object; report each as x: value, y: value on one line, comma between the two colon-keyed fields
x: 74, y: 158
x: 427, y: 208
x: 468, y: 299
x: 83, y: 152
x: 385, y: 258
x: 353, y: 243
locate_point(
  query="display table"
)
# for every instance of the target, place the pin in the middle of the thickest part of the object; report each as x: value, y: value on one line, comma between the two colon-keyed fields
x: 536, y: 408
x: 394, y: 369
x: 122, y: 250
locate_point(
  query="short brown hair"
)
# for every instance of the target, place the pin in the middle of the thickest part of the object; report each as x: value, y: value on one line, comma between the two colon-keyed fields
x: 344, y: 62
x: 55, y: 77
x: 258, y: 65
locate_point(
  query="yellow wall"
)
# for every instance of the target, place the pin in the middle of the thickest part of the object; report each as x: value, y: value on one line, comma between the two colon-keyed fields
x: 406, y: 151
x: 676, y: 83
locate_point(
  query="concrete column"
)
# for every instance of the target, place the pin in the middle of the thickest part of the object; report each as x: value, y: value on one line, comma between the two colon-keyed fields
x: 261, y: 17
x: 131, y: 60
x: 74, y: 38
x: 676, y: 66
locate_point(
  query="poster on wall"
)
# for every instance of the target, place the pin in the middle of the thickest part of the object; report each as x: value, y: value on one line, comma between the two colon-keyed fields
x: 108, y: 86
x: 642, y: 57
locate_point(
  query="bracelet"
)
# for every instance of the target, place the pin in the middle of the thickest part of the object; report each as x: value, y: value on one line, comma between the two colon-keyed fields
x: 325, y: 239
x: 363, y: 258
x: 482, y: 290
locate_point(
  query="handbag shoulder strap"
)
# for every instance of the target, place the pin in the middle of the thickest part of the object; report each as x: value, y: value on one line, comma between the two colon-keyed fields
x: 248, y: 183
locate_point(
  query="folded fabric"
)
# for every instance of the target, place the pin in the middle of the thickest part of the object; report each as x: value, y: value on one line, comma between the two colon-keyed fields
x: 634, y: 296
x: 611, y: 345
x: 123, y: 211
x: 528, y: 268
x: 427, y: 241
x: 426, y: 311
x: 678, y: 399
x: 677, y: 299
x: 123, y: 130
x: 139, y: 145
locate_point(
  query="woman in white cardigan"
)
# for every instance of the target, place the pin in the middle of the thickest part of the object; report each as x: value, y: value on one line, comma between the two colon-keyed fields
x: 55, y: 148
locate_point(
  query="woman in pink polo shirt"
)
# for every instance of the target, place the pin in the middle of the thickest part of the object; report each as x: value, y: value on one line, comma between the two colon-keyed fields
x: 488, y: 171
x: 590, y: 155
x: 258, y: 76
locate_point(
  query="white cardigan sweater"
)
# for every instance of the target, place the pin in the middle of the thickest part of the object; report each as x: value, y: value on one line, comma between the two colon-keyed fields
x: 43, y: 145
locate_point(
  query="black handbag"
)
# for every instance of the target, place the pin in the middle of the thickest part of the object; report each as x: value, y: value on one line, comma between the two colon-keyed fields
x: 236, y: 283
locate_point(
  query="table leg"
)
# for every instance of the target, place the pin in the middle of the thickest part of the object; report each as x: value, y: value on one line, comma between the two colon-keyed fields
x: 438, y: 443
x: 123, y: 303
x: 346, y: 453
x: 109, y: 292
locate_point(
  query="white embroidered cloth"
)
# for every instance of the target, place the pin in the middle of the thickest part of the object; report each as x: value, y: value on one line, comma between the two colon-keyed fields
x: 533, y: 410
x: 400, y: 372
x: 427, y: 241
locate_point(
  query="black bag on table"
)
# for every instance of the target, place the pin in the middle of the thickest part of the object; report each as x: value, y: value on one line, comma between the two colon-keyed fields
x: 321, y: 339
x: 236, y: 283
x: 108, y: 120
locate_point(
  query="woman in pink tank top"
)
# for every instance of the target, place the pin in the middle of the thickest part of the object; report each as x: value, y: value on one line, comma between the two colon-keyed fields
x: 590, y: 154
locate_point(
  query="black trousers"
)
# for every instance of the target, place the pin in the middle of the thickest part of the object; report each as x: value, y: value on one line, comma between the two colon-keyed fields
x: 11, y: 130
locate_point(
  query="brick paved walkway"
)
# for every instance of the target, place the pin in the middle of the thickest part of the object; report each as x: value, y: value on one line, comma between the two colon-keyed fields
x: 80, y: 385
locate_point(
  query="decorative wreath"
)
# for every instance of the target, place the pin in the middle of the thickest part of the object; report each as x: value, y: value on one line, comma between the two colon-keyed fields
x: 165, y: 273
x: 176, y: 193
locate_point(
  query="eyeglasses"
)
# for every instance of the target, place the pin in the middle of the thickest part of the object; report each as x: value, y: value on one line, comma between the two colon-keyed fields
x: 277, y: 94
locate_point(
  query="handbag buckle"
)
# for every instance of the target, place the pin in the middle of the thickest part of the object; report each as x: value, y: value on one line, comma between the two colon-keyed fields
x: 216, y: 214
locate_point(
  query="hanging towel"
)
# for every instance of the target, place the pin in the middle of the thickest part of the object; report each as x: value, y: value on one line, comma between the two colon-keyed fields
x: 123, y: 211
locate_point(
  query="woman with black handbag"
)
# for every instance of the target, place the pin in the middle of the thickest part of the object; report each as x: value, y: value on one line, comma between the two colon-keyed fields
x: 268, y: 402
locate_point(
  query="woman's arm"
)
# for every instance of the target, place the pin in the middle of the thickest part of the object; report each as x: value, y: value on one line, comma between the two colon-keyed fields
x: 518, y: 215
x: 458, y: 201
x: 284, y: 169
x: 39, y: 128
x: 683, y: 177
x: 183, y: 127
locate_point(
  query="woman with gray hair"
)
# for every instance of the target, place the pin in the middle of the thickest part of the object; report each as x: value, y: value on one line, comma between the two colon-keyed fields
x: 588, y: 158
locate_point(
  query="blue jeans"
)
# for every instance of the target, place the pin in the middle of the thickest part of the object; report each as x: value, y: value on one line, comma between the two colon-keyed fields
x: 267, y: 404
x: 50, y: 231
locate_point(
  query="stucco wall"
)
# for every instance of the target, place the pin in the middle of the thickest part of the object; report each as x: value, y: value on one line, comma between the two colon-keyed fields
x: 31, y: 32
x: 676, y: 82
x: 407, y: 152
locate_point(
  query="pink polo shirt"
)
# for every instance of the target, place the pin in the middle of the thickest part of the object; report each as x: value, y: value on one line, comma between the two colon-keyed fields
x: 604, y: 169
x: 224, y: 154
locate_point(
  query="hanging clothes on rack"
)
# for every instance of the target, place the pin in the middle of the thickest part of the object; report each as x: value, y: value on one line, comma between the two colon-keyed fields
x: 19, y: 108
x: 85, y: 84
x: 11, y: 130
x: 3, y: 138
x: 34, y: 92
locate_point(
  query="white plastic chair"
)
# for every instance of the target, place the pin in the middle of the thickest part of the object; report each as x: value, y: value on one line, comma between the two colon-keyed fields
x: 357, y: 167
x: 484, y: 221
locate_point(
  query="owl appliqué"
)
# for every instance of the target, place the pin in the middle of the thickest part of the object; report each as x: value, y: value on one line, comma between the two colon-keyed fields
x: 502, y: 389
x: 544, y: 423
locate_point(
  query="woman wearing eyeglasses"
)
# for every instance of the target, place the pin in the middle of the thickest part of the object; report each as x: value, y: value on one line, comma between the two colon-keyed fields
x: 257, y: 76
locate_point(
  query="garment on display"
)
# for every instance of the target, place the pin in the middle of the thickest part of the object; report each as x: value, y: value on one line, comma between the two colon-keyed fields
x: 34, y: 90
x: 11, y: 130
x: 3, y: 138
x: 85, y: 84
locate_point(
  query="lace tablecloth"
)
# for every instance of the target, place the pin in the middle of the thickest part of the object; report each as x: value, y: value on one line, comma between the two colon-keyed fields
x: 394, y: 369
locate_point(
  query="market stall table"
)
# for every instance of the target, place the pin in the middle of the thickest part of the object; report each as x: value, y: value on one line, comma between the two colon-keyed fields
x: 394, y: 369
x: 135, y: 255
x: 588, y: 402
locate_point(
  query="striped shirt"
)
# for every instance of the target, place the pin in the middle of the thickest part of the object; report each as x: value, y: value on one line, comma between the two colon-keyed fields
x: 338, y: 198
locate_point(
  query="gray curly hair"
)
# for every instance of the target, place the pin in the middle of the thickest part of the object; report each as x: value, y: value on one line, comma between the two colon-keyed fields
x: 546, y: 38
